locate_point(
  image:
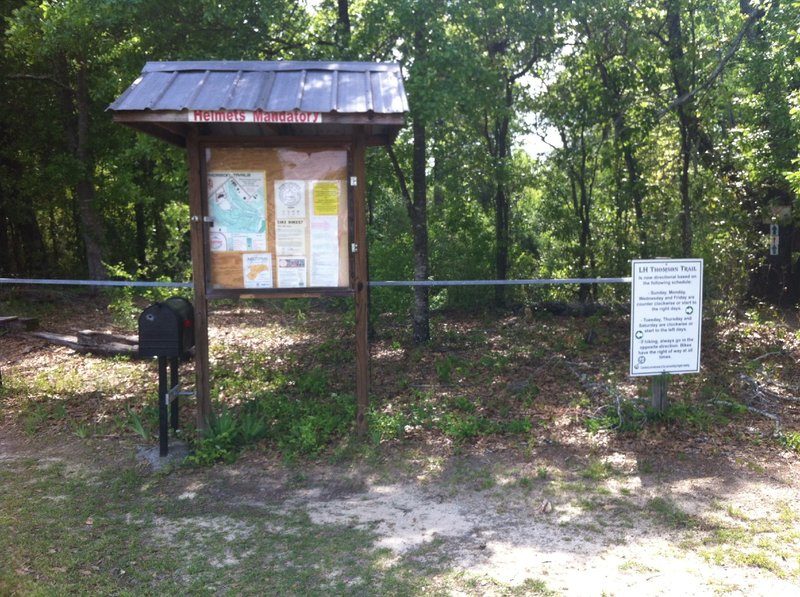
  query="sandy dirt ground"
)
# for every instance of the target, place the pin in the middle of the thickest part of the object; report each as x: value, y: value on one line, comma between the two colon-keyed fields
x: 625, y: 533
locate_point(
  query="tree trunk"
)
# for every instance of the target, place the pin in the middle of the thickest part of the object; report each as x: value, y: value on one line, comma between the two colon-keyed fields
x: 92, y: 229
x: 343, y: 26
x: 416, y: 205
x: 76, y: 106
x: 21, y: 241
x: 624, y: 144
x: 688, y: 122
x: 418, y: 212
x: 502, y: 204
x: 141, y: 235
x: 686, y: 198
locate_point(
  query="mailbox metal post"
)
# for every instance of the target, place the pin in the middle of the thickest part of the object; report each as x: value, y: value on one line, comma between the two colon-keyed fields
x: 163, y: 427
x: 167, y: 402
x: 173, y: 383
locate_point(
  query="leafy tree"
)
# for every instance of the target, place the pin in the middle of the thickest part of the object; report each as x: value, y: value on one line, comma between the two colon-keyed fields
x: 508, y: 42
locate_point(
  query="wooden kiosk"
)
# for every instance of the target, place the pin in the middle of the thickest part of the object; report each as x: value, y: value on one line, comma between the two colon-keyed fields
x: 276, y: 166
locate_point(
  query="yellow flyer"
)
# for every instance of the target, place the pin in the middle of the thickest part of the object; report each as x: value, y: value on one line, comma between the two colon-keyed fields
x: 326, y: 198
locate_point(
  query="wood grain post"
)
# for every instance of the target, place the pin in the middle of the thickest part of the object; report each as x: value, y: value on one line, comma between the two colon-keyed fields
x: 198, y: 239
x: 659, y: 392
x: 361, y: 282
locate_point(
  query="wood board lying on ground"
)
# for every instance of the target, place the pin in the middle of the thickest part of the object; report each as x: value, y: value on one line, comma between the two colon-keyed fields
x: 89, y: 341
x: 12, y: 322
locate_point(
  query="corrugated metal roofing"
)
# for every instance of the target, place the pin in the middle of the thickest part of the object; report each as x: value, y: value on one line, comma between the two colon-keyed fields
x: 325, y: 87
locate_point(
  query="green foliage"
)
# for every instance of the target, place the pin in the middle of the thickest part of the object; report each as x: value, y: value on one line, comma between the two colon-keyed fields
x: 597, y: 471
x: 304, y: 422
x: 670, y: 514
x: 446, y: 366
x: 624, y: 417
x: 136, y: 424
x: 462, y: 427
x: 791, y: 439
x: 485, y: 80
x: 127, y: 302
x: 459, y: 420
x: 219, y: 443
x: 628, y: 416
x: 313, y: 383
x: 306, y: 427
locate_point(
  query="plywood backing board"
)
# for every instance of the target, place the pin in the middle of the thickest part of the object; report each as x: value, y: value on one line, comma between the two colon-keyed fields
x: 260, y: 260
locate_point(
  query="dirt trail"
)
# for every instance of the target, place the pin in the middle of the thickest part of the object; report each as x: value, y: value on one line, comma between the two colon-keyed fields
x: 504, y: 523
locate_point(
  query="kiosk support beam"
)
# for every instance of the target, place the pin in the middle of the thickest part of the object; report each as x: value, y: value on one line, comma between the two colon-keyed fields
x: 361, y: 282
x: 198, y: 239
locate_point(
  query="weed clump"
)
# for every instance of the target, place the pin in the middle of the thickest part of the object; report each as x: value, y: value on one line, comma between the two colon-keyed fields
x: 628, y: 416
x: 301, y: 419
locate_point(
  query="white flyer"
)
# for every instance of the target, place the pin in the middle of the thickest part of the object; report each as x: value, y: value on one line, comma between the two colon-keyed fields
x: 291, y: 272
x: 325, y: 251
x: 290, y: 199
x: 257, y: 269
x: 291, y: 224
x: 290, y: 236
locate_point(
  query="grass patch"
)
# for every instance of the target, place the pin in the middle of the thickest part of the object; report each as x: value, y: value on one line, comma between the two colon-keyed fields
x: 597, y: 471
x: 671, y: 515
x: 791, y: 440
x: 633, y: 416
x: 297, y: 425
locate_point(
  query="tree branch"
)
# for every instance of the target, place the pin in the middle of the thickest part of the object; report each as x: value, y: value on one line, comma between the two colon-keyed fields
x: 45, y: 78
x: 689, y: 95
x: 526, y: 68
x: 401, y: 177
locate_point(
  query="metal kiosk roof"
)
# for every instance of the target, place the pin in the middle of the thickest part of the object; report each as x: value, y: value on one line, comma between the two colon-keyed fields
x: 265, y: 99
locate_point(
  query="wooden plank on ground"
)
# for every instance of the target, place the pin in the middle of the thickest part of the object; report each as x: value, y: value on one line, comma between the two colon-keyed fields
x: 12, y: 322
x: 93, y: 338
x: 103, y: 349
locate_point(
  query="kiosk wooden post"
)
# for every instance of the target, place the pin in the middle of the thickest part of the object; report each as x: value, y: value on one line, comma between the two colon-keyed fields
x: 199, y: 269
x: 361, y: 283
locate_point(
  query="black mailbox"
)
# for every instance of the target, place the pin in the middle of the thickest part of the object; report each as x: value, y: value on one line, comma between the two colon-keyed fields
x: 167, y: 329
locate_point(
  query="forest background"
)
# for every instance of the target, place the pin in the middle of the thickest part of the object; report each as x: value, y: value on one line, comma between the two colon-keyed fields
x: 545, y: 139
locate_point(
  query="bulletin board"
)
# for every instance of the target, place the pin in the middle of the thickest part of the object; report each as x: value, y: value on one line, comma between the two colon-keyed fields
x: 278, y: 219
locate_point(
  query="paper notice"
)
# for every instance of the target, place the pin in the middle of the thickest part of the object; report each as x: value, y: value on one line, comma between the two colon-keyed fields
x: 290, y: 236
x: 326, y: 198
x: 257, y: 269
x: 290, y: 199
x: 325, y: 251
x: 666, y: 316
x: 291, y: 272
x: 237, y: 205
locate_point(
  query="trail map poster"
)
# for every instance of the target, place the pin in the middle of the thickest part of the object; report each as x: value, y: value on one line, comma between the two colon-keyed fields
x: 279, y: 218
x: 237, y: 205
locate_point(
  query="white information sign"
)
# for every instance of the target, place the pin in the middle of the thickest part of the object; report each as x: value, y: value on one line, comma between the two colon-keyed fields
x: 666, y: 316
